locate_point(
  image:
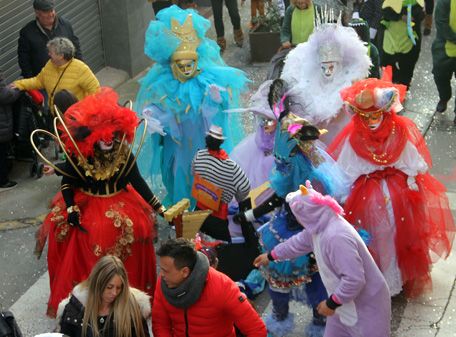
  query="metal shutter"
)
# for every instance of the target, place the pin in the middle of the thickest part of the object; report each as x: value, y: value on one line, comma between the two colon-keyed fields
x: 84, y: 15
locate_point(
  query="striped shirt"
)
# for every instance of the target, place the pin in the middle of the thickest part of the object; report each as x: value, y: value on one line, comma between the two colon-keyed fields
x: 225, y: 174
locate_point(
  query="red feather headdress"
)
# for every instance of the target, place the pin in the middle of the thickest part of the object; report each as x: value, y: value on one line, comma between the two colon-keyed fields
x: 97, y: 117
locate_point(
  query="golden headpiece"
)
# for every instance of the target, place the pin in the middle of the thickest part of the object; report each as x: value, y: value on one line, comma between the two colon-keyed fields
x: 189, y: 39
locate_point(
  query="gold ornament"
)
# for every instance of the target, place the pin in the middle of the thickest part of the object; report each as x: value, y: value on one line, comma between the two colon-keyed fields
x: 184, y: 61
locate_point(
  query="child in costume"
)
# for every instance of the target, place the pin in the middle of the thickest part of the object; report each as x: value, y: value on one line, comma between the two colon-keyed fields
x: 400, y: 43
x: 298, y: 157
x: 393, y: 196
x: 105, y: 206
x: 358, y: 301
x: 318, y: 69
x: 184, y: 93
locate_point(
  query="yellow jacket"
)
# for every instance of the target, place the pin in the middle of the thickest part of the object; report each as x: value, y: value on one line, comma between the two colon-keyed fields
x: 78, y: 79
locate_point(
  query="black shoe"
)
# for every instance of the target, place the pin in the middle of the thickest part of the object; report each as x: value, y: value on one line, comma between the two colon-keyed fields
x: 441, y: 106
x: 8, y: 185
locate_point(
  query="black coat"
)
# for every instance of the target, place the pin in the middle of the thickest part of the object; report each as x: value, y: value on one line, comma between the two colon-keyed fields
x: 32, y: 52
x: 70, y: 319
x: 7, y: 97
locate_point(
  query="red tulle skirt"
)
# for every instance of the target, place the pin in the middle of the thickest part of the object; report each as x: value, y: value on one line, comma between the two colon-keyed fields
x: 422, y: 222
x: 121, y: 225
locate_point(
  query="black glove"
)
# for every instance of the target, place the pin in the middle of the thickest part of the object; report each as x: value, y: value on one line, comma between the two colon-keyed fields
x: 73, y: 220
x: 239, y: 218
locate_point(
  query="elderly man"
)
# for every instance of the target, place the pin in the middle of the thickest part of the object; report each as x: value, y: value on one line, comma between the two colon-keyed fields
x: 32, y: 52
x: 194, y: 299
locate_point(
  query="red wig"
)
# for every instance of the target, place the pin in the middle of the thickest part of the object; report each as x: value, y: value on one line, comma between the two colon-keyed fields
x: 97, y: 117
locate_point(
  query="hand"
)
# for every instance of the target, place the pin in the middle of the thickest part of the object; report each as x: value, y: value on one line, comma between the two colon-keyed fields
x: 215, y: 92
x: 12, y: 86
x: 411, y: 182
x: 48, y: 170
x: 239, y: 218
x: 73, y: 220
x: 286, y: 45
x: 261, y: 260
x: 323, y: 309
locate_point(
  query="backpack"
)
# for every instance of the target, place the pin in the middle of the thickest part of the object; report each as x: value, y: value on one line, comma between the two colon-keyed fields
x: 8, y: 325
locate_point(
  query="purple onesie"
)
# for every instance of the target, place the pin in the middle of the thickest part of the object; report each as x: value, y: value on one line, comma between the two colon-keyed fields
x: 346, y: 267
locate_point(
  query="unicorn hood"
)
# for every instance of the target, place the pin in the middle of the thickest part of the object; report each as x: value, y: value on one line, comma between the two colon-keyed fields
x: 313, y: 210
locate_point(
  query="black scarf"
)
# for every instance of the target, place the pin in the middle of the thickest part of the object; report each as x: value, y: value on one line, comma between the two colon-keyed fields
x: 187, y: 293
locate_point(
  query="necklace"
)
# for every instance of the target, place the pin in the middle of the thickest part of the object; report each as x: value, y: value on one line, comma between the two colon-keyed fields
x: 102, y: 320
x: 385, y: 157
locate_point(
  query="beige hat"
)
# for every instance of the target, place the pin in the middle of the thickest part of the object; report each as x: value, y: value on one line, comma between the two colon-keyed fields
x: 216, y: 132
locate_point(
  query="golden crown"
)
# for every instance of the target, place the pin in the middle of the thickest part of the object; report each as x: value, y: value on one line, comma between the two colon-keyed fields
x: 189, y: 39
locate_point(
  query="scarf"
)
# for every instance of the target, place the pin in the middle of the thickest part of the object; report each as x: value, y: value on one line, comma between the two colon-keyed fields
x: 382, y: 146
x: 189, y: 291
x: 220, y: 154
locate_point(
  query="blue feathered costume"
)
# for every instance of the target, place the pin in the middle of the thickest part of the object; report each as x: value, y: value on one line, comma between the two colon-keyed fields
x: 180, y: 109
x: 299, y: 156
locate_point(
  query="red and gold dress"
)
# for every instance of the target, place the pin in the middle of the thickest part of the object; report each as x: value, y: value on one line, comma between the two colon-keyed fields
x: 393, y: 195
x: 115, y: 207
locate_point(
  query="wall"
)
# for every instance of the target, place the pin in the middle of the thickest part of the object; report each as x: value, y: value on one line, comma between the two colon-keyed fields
x: 124, y: 23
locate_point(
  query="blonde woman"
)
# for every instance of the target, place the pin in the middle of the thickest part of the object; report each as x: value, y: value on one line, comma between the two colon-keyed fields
x: 105, y: 305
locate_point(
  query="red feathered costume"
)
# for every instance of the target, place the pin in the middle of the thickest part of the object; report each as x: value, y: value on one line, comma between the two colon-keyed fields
x: 115, y: 204
x: 393, y: 196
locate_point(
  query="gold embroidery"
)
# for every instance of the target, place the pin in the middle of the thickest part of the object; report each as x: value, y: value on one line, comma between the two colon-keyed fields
x: 105, y: 164
x: 60, y: 222
x: 122, y: 247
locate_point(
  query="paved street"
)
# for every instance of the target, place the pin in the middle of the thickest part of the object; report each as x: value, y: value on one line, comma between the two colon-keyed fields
x: 24, y: 279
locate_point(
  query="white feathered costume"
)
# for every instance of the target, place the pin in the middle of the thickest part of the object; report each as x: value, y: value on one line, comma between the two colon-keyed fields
x: 318, y: 97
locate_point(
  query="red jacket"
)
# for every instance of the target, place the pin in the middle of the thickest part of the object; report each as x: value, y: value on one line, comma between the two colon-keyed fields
x: 220, y: 307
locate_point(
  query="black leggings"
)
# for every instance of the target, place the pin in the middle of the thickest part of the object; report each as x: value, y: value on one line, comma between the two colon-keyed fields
x: 443, y: 71
x: 217, y: 10
x: 403, y: 72
x: 429, y: 6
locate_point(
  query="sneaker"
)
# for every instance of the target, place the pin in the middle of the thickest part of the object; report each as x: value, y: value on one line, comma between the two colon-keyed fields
x: 441, y: 106
x: 8, y: 186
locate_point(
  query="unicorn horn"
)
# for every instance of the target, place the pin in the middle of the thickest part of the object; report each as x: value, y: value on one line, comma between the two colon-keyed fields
x: 303, y: 190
